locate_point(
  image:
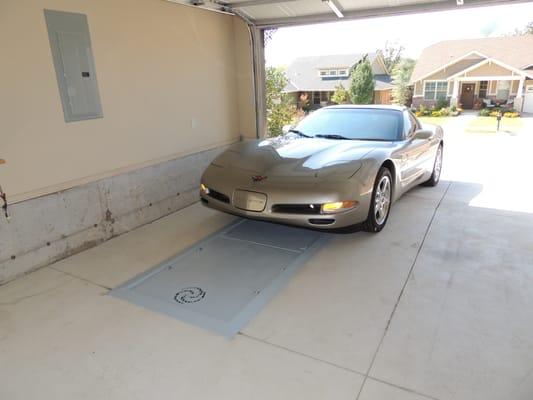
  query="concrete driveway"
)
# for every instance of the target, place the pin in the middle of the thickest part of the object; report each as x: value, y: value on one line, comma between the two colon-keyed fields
x: 437, y: 306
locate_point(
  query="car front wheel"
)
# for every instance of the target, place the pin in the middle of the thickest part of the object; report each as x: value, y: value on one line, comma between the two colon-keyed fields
x: 380, y: 203
x: 437, y: 168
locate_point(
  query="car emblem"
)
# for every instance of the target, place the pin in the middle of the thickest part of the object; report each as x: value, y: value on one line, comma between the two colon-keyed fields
x: 259, y: 178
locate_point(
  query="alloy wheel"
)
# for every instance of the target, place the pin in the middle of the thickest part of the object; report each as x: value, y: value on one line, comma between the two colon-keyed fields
x: 438, y: 164
x: 382, y: 200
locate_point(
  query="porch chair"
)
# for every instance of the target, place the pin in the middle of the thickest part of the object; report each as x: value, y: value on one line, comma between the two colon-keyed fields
x: 488, y: 103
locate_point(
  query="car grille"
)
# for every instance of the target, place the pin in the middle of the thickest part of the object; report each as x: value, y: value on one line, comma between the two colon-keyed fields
x: 218, y: 196
x: 296, y: 208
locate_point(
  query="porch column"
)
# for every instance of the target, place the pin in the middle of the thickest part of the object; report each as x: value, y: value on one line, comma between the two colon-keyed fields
x: 455, y: 94
x: 520, y: 87
x: 518, y: 99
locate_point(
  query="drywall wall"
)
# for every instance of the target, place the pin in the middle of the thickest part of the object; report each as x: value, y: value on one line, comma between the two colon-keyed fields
x: 170, y: 80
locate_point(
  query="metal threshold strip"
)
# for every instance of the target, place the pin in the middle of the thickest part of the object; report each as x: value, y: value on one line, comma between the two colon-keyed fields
x: 223, y: 281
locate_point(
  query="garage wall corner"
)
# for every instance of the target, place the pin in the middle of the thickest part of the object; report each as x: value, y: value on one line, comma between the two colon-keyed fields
x: 245, y: 78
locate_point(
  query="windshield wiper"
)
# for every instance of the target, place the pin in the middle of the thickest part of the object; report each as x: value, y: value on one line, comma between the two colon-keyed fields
x: 372, y: 139
x: 337, y: 137
x: 299, y: 133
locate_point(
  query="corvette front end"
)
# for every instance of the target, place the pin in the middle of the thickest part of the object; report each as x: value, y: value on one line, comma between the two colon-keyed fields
x: 309, y: 202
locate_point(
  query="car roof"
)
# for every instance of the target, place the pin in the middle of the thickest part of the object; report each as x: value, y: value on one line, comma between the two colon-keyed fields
x: 374, y: 106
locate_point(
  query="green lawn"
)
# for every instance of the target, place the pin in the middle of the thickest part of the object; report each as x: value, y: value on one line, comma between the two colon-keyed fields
x: 435, y: 120
x: 489, y: 124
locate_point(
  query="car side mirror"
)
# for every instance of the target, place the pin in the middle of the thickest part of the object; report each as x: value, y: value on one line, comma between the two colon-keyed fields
x: 286, y: 128
x: 423, y: 134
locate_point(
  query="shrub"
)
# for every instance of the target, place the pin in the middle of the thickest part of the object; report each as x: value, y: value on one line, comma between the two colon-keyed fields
x: 453, y: 108
x: 436, y: 114
x: 441, y: 103
x: 298, y: 116
x: 444, y: 112
x: 341, y: 95
x: 512, y: 114
x: 494, y: 113
x: 422, y: 110
x: 419, y: 113
x: 484, y: 112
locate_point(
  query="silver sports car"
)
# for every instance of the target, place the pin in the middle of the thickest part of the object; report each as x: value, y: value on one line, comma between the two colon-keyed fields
x: 341, y: 166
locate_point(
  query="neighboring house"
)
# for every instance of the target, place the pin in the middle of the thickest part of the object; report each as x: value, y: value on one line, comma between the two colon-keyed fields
x: 476, y: 72
x: 316, y: 78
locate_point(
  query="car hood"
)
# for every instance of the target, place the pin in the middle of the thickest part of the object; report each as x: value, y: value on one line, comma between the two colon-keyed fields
x: 295, y: 156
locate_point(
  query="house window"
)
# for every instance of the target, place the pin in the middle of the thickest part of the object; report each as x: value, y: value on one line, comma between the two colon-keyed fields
x: 504, y: 87
x: 316, y: 97
x: 324, y: 73
x: 483, y: 88
x: 324, y: 96
x: 435, y: 90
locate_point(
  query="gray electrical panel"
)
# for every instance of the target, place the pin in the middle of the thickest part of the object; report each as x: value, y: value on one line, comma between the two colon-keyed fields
x: 70, y: 43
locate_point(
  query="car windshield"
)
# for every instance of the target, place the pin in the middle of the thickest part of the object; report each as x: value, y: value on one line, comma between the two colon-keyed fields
x: 353, y: 124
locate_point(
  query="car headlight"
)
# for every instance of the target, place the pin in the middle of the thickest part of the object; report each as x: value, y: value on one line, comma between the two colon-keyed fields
x: 204, y: 189
x: 338, y: 206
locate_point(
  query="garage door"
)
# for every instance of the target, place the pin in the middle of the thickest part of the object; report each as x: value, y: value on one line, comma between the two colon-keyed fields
x: 528, y: 99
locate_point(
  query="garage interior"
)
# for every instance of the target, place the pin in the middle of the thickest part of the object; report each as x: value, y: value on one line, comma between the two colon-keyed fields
x: 437, y: 306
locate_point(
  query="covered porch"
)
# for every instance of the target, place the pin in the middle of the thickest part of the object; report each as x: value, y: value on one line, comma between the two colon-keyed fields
x: 488, y: 84
x: 476, y: 93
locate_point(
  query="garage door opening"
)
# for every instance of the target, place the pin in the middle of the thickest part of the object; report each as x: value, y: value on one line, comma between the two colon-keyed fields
x: 480, y: 64
x: 437, y: 305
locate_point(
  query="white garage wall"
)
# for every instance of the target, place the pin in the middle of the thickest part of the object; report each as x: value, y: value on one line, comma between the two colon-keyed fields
x: 169, y: 79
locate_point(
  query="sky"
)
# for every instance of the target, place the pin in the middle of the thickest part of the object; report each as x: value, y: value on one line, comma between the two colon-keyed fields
x: 414, y: 32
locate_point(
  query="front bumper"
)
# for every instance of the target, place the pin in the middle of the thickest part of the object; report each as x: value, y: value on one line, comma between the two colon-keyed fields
x: 290, y: 192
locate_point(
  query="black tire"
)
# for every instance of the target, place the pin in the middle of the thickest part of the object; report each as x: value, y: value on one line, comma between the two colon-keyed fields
x: 372, y: 224
x: 435, y: 175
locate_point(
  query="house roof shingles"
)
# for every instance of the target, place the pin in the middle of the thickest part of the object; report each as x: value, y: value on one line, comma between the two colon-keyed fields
x: 303, y: 72
x: 516, y: 51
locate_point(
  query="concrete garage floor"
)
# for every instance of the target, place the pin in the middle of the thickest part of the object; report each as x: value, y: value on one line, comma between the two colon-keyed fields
x: 437, y: 306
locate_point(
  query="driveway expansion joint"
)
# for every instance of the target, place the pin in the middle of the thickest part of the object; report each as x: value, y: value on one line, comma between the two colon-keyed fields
x: 353, y: 371
x: 410, y: 273
x: 405, y: 389
x: 79, y: 278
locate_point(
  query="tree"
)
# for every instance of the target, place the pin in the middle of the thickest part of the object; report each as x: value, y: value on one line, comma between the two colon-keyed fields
x: 362, y: 83
x: 526, y: 30
x: 392, y: 54
x: 268, y: 34
x: 280, y: 108
x: 401, y: 76
x: 529, y: 28
x: 341, y: 95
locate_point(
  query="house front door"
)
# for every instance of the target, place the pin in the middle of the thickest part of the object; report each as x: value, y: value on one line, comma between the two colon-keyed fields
x: 467, y: 95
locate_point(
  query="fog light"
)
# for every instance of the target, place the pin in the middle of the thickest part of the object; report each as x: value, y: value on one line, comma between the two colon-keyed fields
x: 338, y: 206
x: 204, y: 189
